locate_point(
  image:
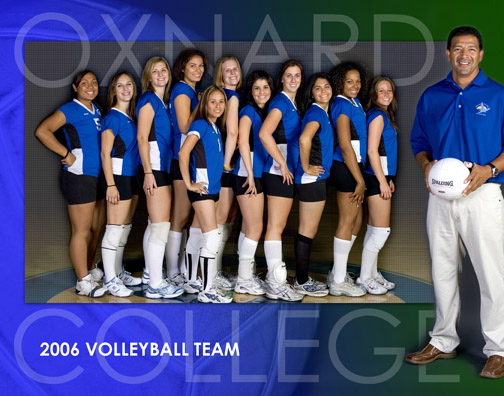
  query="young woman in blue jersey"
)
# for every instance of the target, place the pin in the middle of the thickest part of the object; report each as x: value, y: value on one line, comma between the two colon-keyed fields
x: 227, y: 76
x: 280, y: 136
x: 348, y: 117
x: 247, y: 175
x: 315, y: 159
x: 81, y: 123
x: 379, y: 175
x: 201, y: 160
x: 188, y: 70
x: 120, y: 159
x: 155, y: 147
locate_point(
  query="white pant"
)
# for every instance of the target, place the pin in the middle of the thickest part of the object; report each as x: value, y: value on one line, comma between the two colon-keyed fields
x: 475, y: 223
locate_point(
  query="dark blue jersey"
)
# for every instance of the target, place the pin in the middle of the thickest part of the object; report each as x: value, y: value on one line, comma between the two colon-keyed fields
x: 82, y: 133
x: 387, y: 148
x: 467, y: 124
x: 321, y: 152
x: 207, y: 157
x: 358, y: 131
x: 125, y: 157
x: 160, y: 136
x: 180, y: 88
x: 258, y: 153
x: 286, y: 134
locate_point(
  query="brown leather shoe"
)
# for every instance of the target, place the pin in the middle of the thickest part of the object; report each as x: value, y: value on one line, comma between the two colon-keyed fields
x: 429, y: 354
x: 494, y: 367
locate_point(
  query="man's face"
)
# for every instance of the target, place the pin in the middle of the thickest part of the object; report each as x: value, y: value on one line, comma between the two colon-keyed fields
x: 464, y: 56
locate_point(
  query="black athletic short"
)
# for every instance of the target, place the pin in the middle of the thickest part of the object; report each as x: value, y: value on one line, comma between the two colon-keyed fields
x: 175, y: 170
x: 162, y: 178
x: 273, y: 185
x: 227, y: 180
x: 195, y: 197
x: 102, y: 187
x: 342, y: 178
x: 127, y: 186
x: 78, y: 189
x: 238, y: 183
x: 373, y: 185
x: 312, y: 192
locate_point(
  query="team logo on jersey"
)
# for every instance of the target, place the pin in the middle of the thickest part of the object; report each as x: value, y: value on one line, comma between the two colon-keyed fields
x: 482, y: 109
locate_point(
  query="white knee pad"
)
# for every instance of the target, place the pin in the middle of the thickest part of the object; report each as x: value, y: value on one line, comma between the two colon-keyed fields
x: 277, y: 272
x: 377, y: 239
x: 125, y: 235
x: 159, y: 233
x: 195, y: 241
x: 211, y: 242
x: 112, y: 237
x: 225, y: 230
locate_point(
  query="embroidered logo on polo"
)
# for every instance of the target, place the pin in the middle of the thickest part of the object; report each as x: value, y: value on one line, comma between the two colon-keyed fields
x: 482, y: 109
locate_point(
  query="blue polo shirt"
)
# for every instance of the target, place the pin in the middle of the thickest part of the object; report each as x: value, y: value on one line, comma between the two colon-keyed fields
x: 321, y: 151
x: 286, y: 134
x: 358, y: 131
x: 207, y: 157
x: 387, y: 148
x: 180, y: 88
x: 466, y: 124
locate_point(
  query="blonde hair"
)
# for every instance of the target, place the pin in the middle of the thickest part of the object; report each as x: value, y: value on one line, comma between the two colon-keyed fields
x: 217, y: 78
x: 147, y: 75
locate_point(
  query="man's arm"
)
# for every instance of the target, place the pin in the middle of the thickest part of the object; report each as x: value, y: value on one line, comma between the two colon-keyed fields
x: 425, y: 161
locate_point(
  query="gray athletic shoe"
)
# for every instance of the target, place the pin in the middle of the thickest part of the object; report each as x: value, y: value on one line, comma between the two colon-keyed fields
x: 213, y: 295
x: 221, y: 282
x: 88, y: 287
x: 253, y: 286
x: 282, y: 291
x: 371, y: 286
x: 129, y: 280
x: 384, y: 282
x: 311, y: 288
x: 164, y: 290
x: 346, y: 288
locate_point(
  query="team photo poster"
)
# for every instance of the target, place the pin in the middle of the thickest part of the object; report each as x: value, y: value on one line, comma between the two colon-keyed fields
x: 57, y: 347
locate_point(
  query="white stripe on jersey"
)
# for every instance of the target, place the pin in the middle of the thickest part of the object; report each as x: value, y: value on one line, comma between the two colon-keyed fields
x: 155, y: 156
x: 117, y: 165
x: 282, y: 147
x: 76, y: 167
x: 356, y: 149
x: 201, y: 176
x: 384, y: 165
x: 306, y: 178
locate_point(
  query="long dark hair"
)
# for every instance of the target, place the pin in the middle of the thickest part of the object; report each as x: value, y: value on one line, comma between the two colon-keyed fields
x: 183, y: 57
x: 338, y: 74
x: 373, y: 96
x: 281, y: 72
x: 307, y: 98
x: 78, y: 78
x: 112, y: 97
x: 202, y: 108
x: 251, y: 79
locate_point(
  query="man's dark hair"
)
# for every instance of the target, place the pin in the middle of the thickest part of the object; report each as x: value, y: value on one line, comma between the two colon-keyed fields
x: 465, y: 31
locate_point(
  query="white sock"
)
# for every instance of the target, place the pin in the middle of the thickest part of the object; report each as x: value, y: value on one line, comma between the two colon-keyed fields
x: 368, y: 257
x: 110, y: 242
x: 341, y: 250
x: 192, y: 252
x: 156, y: 246
x: 171, y: 253
x: 248, y: 248
x: 225, y: 231
x: 145, y: 241
x: 181, y: 255
x: 240, y: 240
x: 120, y: 248
x: 246, y: 268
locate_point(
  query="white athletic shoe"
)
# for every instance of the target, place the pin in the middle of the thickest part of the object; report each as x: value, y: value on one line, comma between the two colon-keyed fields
x: 88, y: 287
x: 221, y: 282
x: 213, y: 295
x: 164, y: 290
x: 96, y: 273
x: 282, y: 291
x: 384, y: 282
x: 371, y: 286
x: 193, y: 286
x: 145, y: 277
x: 254, y: 286
x: 116, y: 287
x: 177, y: 280
x: 311, y: 288
x: 129, y: 280
x: 346, y: 288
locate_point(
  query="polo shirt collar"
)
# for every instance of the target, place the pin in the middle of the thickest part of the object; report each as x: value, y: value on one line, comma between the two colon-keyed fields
x: 480, y: 79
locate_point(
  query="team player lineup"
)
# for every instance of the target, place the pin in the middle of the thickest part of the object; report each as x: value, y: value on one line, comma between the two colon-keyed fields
x: 174, y: 269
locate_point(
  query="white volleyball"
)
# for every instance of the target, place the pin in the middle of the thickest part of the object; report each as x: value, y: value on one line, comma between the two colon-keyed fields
x: 446, y: 178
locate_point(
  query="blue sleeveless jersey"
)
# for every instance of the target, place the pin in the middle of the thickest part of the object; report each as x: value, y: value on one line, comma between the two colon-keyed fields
x: 180, y: 88
x: 83, y: 138
x: 125, y: 157
x: 160, y: 136
x: 358, y: 131
x: 321, y: 152
x: 387, y: 148
x: 286, y: 135
x: 207, y: 157
x: 258, y: 153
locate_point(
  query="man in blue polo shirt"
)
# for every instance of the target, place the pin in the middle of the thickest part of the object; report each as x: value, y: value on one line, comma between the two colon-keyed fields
x: 463, y: 117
